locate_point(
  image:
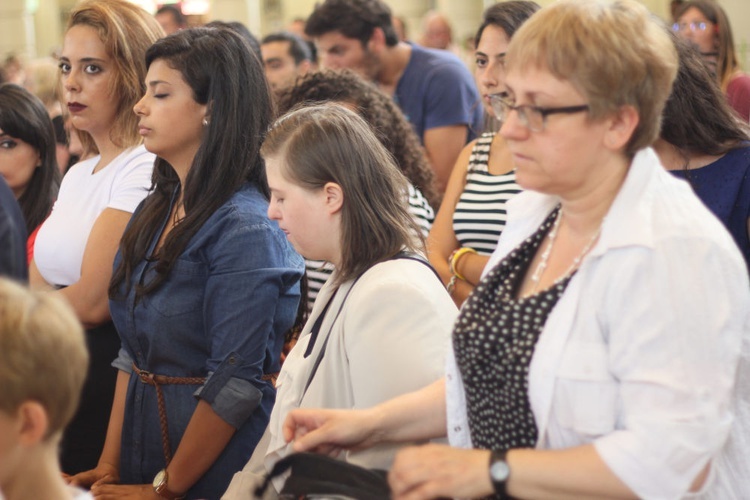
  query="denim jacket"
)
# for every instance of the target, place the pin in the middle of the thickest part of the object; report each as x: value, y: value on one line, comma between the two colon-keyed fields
x: 222, y: 314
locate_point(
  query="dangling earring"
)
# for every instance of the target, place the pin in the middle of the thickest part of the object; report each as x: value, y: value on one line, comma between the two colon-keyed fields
x: 205, y: 122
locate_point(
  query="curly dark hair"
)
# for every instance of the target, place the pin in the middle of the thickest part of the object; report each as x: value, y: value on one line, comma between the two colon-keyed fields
x: 379, y: 111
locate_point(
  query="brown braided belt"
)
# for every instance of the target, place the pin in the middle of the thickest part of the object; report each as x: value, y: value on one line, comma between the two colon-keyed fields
x: 157, y: 381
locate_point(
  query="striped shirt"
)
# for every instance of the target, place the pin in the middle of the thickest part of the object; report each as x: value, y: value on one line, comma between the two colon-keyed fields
x: 318, y: 271
x: 480, y: 214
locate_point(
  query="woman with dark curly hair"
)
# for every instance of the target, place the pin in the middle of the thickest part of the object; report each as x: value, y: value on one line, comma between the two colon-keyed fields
x: 391, y: 129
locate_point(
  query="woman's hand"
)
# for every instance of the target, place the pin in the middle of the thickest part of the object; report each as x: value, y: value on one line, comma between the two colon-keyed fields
x: 124, y: 492
x: 435, y: 471
x: 330, y: 431
x: 104, y: 473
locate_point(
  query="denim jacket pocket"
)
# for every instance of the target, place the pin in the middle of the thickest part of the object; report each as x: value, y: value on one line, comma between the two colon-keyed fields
x: 586, y: 394
x: 183, y: 292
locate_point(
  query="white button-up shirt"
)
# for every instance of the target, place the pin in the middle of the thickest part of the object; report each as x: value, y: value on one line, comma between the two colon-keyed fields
x: 640, y: 355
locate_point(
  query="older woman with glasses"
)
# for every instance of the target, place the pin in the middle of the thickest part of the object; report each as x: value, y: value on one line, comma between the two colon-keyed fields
x: 598, y: 355
x: 705, y: 24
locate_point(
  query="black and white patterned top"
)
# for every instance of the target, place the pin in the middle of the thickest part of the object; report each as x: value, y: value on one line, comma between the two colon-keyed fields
x: 494, y: 340
x: 479, y: 216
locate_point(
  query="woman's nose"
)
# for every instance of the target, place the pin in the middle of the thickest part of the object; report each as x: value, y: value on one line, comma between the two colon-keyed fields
x: 70, y: 82
x: 139, y: 108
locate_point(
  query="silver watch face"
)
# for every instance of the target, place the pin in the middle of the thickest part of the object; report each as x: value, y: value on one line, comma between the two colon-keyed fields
x: 159, y: 478
x: 499, y: 471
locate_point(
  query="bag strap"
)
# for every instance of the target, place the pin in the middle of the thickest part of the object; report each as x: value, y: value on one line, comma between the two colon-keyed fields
x: 325, y: 341
x: 319, y: 320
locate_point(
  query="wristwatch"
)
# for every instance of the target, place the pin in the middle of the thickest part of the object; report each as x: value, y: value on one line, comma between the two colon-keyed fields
x: 499, y: 472
x: 160, y: 486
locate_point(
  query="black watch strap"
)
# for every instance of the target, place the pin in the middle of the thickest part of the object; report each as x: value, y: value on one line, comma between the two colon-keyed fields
x: 499, y: 472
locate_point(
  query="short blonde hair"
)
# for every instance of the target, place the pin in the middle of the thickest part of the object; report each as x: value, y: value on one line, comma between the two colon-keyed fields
x: 43, y: 354
x: 126, y: 31
x: 615, y: 54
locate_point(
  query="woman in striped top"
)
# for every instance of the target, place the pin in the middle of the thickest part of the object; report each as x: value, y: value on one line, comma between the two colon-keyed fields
x: 390, y: 127
x: 472, y: 216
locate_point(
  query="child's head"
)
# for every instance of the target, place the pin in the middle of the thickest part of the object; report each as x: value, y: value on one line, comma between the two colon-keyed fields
x: 43, y: 356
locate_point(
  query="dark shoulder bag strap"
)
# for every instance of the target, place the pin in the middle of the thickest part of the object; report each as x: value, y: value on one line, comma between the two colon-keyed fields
x: 325, y: 340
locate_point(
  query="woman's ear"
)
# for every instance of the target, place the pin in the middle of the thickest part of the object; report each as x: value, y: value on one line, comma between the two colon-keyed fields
x: 33, y: 422
x: 334, y: 197
x: 622, y: 125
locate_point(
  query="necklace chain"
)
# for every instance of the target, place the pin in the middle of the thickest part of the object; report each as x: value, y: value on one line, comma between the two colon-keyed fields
x: 536, y: 277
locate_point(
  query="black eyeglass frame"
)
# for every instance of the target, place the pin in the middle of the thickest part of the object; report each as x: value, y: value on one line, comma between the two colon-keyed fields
x: 544, y: 112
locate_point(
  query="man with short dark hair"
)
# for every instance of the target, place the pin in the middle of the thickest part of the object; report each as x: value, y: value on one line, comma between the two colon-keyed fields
x: 433, y: 88
x: 285, y: 57
x: 170, y: 18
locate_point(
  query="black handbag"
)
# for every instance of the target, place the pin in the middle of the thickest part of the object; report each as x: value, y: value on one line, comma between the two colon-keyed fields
x: 320, y: 476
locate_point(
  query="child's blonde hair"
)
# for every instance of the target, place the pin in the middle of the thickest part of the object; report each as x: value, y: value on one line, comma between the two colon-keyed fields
x: 43, y: 354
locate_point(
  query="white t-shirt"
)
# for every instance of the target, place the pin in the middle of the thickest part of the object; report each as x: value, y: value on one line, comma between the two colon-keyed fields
x: 83, y: 196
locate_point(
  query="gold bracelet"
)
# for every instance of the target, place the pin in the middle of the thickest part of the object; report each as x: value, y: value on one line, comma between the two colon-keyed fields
x: 455, y: 258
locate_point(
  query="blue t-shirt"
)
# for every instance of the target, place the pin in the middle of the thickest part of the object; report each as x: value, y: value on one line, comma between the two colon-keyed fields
x: 437, y: 90
x: 221, y: 313
x: 12, y: 236
x: 724, y: 187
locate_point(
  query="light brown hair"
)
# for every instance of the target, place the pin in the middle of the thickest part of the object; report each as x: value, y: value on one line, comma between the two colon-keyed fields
x: 615, y: 54
x: 329, y: 143
x: 43, y: 354
x: 126, y: 31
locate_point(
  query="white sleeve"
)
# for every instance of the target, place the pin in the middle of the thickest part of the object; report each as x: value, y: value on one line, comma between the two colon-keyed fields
x: 132, y: 182
x: 674, y: 339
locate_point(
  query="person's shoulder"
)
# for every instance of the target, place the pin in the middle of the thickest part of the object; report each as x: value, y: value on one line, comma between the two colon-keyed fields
x: 247, y: 202
x: 82, y: 168
x: 137, y: 155
x: 435, y: 56
x: 246, y: 210
x: 400, y: 272
x: 739, y: 80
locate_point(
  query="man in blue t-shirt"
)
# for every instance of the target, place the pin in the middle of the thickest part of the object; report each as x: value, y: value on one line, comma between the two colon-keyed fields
x: 12, y: 236
x: 434, y: 89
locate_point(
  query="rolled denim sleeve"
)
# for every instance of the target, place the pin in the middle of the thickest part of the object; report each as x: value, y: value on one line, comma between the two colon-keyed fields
x: 251, y: 299
x: 123, y: 362
x: 232, y: 398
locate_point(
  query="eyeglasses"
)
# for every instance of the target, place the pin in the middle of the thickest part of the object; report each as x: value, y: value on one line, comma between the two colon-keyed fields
x: 677, y: 27
x: 532, y: 117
